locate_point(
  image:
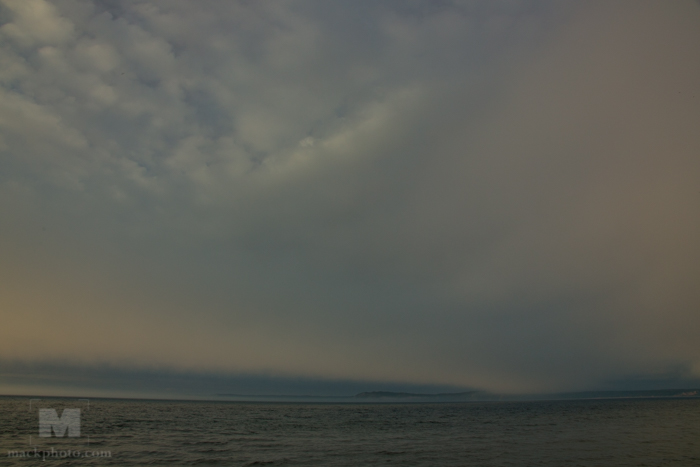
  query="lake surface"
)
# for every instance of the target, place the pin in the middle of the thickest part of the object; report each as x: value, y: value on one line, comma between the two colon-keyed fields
x: 649, y: 432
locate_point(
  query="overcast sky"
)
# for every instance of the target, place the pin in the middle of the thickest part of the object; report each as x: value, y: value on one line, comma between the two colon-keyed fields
x: 502, y: 195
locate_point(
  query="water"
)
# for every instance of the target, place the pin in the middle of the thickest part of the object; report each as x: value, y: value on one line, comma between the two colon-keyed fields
x: 656, y: 432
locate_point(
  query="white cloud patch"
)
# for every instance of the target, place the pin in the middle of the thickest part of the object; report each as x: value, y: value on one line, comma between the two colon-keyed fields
x: 36, y: 23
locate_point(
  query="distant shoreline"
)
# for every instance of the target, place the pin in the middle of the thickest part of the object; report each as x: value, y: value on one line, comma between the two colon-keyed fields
x: 379, y: 397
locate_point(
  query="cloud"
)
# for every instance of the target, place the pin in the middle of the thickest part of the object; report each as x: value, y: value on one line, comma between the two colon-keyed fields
x: 499, y: 195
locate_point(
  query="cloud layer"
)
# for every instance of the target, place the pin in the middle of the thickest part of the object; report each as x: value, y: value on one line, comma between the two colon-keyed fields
x: 501, y: 195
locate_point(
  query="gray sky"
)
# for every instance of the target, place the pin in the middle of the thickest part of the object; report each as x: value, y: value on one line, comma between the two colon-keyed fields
x: 502, y: 195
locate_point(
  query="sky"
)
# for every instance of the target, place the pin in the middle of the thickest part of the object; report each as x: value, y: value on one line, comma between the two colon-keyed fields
x: 501, y: 195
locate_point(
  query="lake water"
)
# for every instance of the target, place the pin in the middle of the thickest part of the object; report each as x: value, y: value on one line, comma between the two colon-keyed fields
x: 650, y: 432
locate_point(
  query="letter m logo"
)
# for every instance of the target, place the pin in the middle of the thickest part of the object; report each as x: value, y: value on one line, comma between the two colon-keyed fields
x: 69, y: 421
